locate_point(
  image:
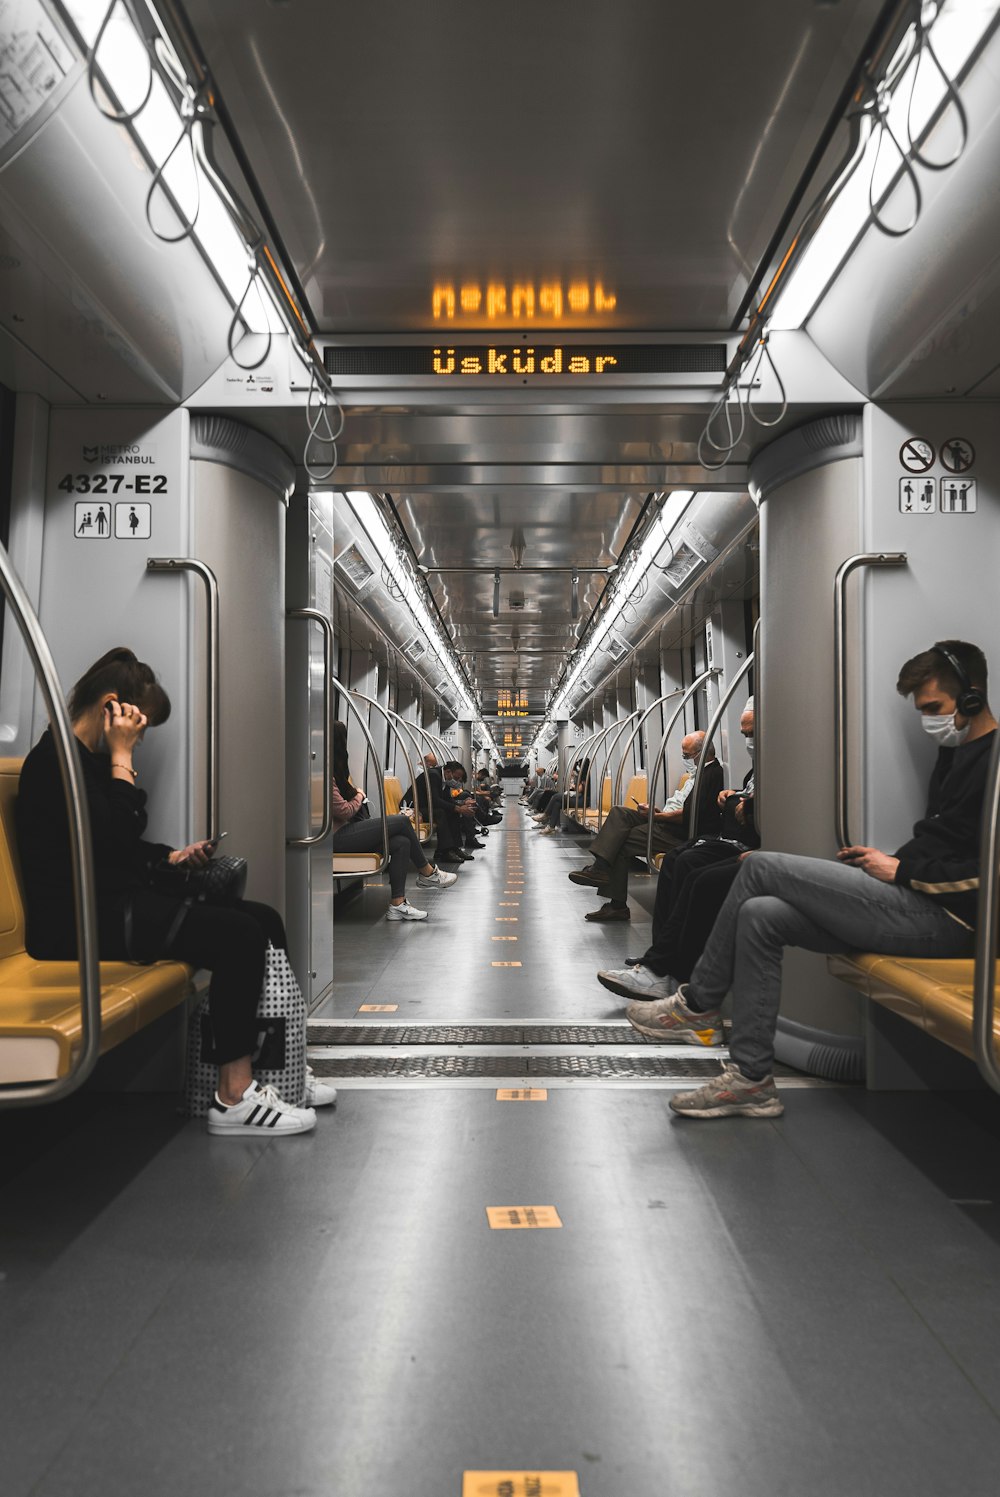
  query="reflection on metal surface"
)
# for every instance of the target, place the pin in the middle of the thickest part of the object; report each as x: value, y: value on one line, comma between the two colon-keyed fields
x: 518, y: 302
x: 640, y: 1067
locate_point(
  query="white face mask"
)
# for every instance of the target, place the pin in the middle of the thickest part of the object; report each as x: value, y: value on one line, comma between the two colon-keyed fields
x: 942, y: 729
x: 749, y: 745
x: 690, y: 766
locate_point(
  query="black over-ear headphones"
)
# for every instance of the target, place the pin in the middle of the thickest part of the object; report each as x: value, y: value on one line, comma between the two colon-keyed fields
x: 970, y: 699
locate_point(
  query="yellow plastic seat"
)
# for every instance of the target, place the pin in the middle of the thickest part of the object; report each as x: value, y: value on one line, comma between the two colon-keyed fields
x: 935, y: 995
x: 40, y: 1010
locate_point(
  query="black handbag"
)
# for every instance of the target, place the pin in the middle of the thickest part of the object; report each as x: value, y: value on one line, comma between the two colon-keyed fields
x: 363, y: 813
x: 221, y: 881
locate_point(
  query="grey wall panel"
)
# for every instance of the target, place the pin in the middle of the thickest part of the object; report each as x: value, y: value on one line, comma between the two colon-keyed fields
x: 238, y: 529
x: 809, y: 525
x: 948, y: 590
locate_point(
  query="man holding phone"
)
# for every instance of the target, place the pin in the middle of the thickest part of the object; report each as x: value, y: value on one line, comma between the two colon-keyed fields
x: 920, y: 901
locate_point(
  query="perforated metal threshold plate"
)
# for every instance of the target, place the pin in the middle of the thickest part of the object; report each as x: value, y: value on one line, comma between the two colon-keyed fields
x: 328, y: 1032
x: 494, y: 1067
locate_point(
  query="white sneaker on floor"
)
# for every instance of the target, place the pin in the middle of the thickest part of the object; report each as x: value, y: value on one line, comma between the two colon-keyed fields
x: 547, y: 831
x: 637, y: 982
x: 405, y: 911
x: 436, y: 880
x: 318, y: 1093
x: 259, y: 1112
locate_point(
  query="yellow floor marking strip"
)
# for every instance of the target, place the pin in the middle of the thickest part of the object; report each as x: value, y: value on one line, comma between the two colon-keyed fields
x: 513, y: 904
x: 521, y: 1218
x: 525, y: 1094
x: 503, y: 938
x: 520, y: 1484
x: 506, y: 919
x: 378, y: 1008
x: 505, y: 964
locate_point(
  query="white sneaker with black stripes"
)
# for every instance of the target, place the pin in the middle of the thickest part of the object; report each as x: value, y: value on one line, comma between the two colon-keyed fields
x: 260, y: 1113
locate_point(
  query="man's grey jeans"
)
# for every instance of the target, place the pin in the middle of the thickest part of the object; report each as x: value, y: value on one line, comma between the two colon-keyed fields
x: 779, y: 900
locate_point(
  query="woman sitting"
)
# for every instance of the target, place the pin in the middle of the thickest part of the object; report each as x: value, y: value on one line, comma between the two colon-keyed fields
x: 111, y: 707
x: 355, y: 831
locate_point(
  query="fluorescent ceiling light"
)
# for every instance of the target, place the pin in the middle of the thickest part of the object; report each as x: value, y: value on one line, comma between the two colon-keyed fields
x: 956, y: 33
x: 625, y: 580
x: 367, y: 511
x: 123, y: 60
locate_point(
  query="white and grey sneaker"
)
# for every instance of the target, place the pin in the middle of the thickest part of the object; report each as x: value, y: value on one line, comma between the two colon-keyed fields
x: 405, y: 911
x: 318, y: 1093
x: 637, y: 982
x: 260, y: 1112
x: 436, y: 880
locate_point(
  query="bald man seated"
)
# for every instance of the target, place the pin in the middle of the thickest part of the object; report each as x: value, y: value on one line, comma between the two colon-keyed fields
x: 624, y: 833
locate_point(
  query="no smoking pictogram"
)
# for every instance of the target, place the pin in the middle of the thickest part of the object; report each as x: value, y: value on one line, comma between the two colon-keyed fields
x: 957, y: 455
x: 916, y: 455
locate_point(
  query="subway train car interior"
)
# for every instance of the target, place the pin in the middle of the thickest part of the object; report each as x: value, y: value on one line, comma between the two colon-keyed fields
x: 500, y: 791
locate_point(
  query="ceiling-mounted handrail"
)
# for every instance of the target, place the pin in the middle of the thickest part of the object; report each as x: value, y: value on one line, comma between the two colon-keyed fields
x: 635, y: 733
x: 313, y: 615
x: 611, y: 744
x: 661, y: 754
x: 714, y: 722
x: 351, y: 706
x: 987, y: 926
x: 863, y: 559
x: 208, y: 577
x: 80, y: 848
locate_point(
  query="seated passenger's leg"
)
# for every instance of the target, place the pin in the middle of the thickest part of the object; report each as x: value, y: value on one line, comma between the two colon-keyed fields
x: 779, y: 900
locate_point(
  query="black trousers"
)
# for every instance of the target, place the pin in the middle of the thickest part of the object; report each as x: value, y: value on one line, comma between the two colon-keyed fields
x: 229, y: 941
x: 450, y: 829
x: 693, y: 883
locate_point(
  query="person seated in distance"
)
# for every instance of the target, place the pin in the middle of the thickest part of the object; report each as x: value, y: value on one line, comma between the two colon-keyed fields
x: 919, y: 901
x: 624, y: 833
x: 464, y: 803
x: 355, y: 832
x: 449, y: 827
x: 690, y: 891
x: 572, y: 798
x: 111, y: 707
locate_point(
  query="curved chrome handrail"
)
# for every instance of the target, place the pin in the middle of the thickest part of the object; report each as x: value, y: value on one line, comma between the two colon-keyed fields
x: 386, y: 714
x: 402, y: 722
x: 581, y: 752
x: 191, y: 564
x: 661, y: 752
x: 610, y: 746
x: 313, y: 615
x: 863, y: 559
x: 987, y: 927
x: 635, y: 733
x: 599, y: 738
x: 714, y: 722
x: 81, y: 854
x: 345, y: 692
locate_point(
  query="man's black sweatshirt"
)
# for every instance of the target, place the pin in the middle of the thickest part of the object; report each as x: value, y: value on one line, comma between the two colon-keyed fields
x: 941, y: 859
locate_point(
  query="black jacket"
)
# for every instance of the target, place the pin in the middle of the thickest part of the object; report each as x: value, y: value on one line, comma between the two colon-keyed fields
x: 122, y: 859
x: 731, y: 830
x: 709, y: 815
x: 941, y: 859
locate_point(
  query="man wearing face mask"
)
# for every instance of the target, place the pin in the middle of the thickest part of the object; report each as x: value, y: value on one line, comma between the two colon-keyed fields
x: 920, y: 901
x: 623, y: 835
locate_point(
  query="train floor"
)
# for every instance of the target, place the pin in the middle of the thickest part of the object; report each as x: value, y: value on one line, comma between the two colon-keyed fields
x: 808, y: 1305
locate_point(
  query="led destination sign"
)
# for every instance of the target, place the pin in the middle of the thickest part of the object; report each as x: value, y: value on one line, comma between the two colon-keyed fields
x: 513, y: 361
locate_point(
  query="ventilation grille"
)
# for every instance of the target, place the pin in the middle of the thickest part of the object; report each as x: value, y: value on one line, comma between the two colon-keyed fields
x: 356, y: 569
